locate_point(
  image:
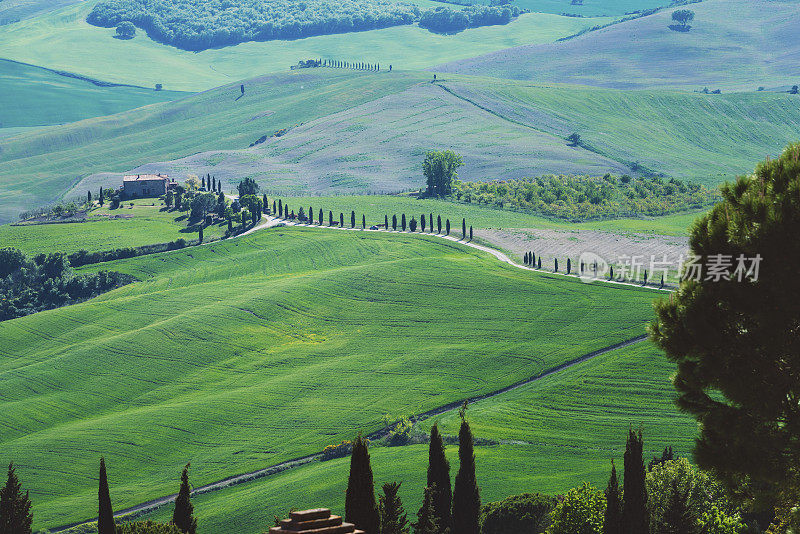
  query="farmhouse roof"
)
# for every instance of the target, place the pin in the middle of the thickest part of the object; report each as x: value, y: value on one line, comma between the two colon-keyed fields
x: 144, y: 177
x: 317, y: 521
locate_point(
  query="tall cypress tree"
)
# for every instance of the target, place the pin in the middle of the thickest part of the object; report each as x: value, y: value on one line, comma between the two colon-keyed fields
x: 310, y: 215
x: 15, y: 508
x: 359, y: 507
x: 394, y: 222
x: 634, y: 506
x: 363, y: 221
x: 341, y: 220
x: 466, y: 496
x: 101, y: 196
x: 105, y: 517
x: 394, y: 519
x: 612, y: 522
x: 386, y: 221
x: 321, y: 217
x: 183, y: 517
x: 280, y: 208
x: 422, y: 222
x: 447, y: 226
x: 539, y: 263
x: 470, y: 233
x: 438, y: 224
x: 352, y: 219
x: 330, y: 218
x: 569, y: 265
x: 430, y: 220
x: 463, y: 228
x: 439, y: 481
x: 403, y: 222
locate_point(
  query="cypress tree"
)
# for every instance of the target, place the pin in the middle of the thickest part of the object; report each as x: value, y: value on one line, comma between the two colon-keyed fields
x: 611, y: 273
x: 330, y: 218
x: 363, y: 221
x: 556, y: 265
x: 470, y: 233
x: 466, y: 496
x: 341, y: 220
x: 422, y: 222
x: 644, y: 283
x: 533, y: 258
x: 105, y: 517
x: 463, y: 228
x: 661, y: 286
x: 274, y: 208
x: 612, y: 522
x: 569, y: 265
x: 280, y: 207
x: 352, y: 219
x: 394, y: 519
x: 386, y: 221
x: 310, y: 215
x: 321, y: 217
x: 430, y: 220
x: 403, y: 222
x: 182, y: 516
x: 447, y: 226
x: 426, y: 522
x: 101, y: 196
x: 634, y: 506
x: 200, y: 234
x: 203, y: 183
x: 439, y: 481
x: 438, y: 224
x: 15, y: 508
x: 360, y: 508
x: 525, y: 259
x: 230, y: 224
x: 394, y: 222
x: 539, y: 263
x: 89, y: 197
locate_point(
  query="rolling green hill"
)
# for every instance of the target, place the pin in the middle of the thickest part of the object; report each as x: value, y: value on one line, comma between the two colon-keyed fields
x: 14, y: 10
x: 40, y: 166
x: 240, y: 354
x: 40, y: 97
x: 733, y: 45
x: 61, y: 39
x: 554, y: 434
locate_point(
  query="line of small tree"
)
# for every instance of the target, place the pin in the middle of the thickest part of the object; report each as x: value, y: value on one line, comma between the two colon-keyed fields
x: 281, y: 209
x: 16, y: 516
x: 355, y: 65
x: 530, y: 259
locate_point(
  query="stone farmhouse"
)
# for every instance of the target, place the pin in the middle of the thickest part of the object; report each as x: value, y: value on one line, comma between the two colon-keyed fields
x: 145, y: 185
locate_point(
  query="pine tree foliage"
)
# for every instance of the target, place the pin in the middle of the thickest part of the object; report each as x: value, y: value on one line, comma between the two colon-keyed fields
x: 394, y: 519
x: 426, y: 521
x: 15, y: 508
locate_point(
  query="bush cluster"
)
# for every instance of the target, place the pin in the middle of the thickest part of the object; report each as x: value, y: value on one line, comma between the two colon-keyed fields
x: 202, y: 24
x: 84, y: 257
x: 446, y: 20
x: 46, y: 281
x: 579, y: 198
x: 337, y: 451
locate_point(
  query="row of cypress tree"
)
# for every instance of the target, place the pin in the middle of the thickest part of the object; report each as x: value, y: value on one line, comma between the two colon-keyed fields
x: 281, y: 209
x: 444, y: 510
x: 530, y: 259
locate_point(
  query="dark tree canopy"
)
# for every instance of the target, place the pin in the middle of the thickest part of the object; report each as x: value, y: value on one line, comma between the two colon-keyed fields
x: 360, y: 506
x: 684, y: 16
x: 521, y: 514
x: 394, y: 519
x: 15, y: 508
x: 634, y: 506
x: 182, y: 516
x: 248, y: 186
x: 612, y: 521
x: 736, y: 341
x: 447, y: 20
x: 466, y: 496
x: 126, y: 30
x: 439, y: 481
x: 202, y: 24
x: 105, y: 516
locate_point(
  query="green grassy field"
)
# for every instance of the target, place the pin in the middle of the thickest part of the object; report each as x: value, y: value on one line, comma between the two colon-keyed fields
x: 244, y: 353
x: 554, y: 434
x: 40, y: 97
x: 590, y: 8
x: 62, y: 38
x: 13, y: 10
x: 732, y: 45
x: 704, y: 138
x: 106, y: 229
x: 38, y: 167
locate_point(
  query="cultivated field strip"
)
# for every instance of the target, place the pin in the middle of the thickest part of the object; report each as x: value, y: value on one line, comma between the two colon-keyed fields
x: 225, y: 354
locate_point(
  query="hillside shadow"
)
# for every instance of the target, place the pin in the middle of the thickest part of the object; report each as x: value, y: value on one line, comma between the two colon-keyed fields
x: 679, y: 28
